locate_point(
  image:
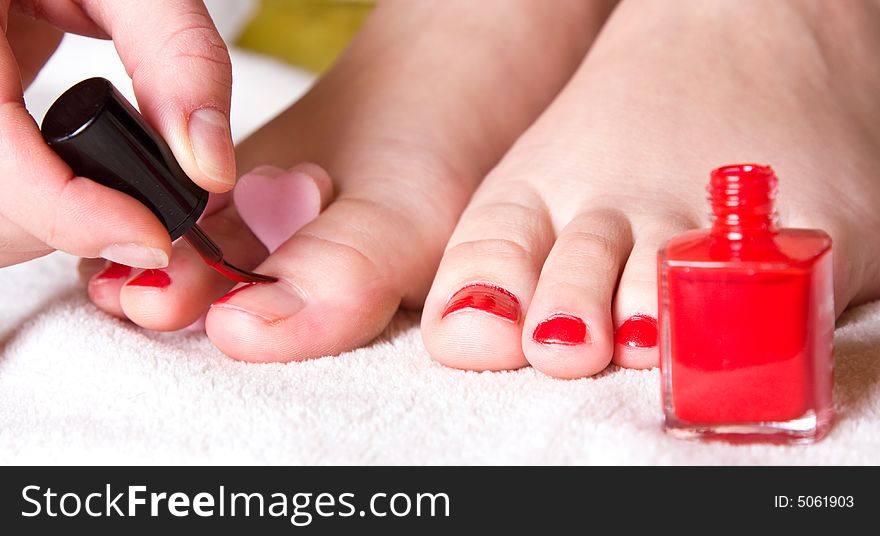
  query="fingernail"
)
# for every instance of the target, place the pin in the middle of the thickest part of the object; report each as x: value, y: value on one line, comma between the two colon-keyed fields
x: 269, y: 301
x: 211, y: 142
x: 489, y: 298
x: 639, y: 331
x: 561, y: 329
x: 135, y: 255
x: 151, y: 278
x: 113, y: 271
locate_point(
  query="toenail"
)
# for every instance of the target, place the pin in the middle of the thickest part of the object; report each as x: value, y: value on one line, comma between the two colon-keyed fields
x: 485, y: 297
x: 151, y: 279
x: 271, y: 302
x: 562, y: 329
x: 113, y: 271
x: 639, y: 331
x: 232, y: 293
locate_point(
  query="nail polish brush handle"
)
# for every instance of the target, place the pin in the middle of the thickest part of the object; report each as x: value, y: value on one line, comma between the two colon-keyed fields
x: 100, y: 135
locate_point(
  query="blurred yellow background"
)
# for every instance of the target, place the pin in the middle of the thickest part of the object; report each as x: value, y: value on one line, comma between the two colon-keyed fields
x: 306, y: 33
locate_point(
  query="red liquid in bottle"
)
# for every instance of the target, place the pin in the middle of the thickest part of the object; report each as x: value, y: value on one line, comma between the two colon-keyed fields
x: 747, y: 320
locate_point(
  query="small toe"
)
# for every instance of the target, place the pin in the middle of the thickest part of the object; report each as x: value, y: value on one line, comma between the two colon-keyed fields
x: 568, y: 328
x: 635, y: 305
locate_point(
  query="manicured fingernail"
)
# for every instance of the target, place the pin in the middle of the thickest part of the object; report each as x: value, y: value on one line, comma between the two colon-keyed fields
x: 639, y: 331
x: 151, y: 278
x: 135, y: 255
x: 113, y: 271
x: 561, y: 329
x: 211, y: 142
x: 489, y: 298
x: 270, y: 301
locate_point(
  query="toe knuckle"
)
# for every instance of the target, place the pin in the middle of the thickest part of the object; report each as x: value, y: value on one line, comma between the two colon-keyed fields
x: 521, y: 223
x: 524, y: 213
x: 502, y: 249
x: 589, y: 245
x: 345, y: 256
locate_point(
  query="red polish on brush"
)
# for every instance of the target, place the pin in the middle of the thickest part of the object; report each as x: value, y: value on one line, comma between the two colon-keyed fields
x: 747, y: 320
x: 101, y: 136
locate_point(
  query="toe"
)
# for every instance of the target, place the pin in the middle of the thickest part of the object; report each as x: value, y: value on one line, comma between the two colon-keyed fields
x: 342, y: 277
x: 105, y: 283
x: 568, y: 328
x: 335, y: 290
x: 178, y: 295
x: 474, y: 313
x: 635, y: 305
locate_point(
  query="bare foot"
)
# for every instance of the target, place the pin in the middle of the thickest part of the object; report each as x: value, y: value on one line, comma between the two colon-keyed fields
x: 422, y: 105
x: 556, y: 252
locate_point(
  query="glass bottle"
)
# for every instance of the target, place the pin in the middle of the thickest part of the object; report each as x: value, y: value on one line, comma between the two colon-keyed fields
x: 746, y: 320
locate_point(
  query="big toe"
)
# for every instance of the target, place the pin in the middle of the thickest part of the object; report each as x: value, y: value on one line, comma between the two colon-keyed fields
x: 341, y: 279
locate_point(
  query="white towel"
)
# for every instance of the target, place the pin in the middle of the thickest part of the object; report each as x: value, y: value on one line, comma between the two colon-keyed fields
x: 80, y: 387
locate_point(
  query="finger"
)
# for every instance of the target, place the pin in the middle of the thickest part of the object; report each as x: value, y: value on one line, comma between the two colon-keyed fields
x: 18, y: 246
x: 47, y: 202
x: 176, y: 296
x: 66, y: 15
x: 33, y: 42
x: 182, y: 78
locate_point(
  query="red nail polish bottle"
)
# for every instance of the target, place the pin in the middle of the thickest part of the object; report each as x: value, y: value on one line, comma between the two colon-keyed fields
x: 746, y: 320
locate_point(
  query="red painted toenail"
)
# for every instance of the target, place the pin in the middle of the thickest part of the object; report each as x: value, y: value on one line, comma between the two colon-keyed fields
x: 639, y: 331
x: 489, y: 298
x: 561, y: 329
x: 114, y: 271
x: 151, y: 278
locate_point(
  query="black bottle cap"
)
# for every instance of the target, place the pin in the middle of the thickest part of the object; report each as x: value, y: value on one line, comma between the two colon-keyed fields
x: 100, y: 135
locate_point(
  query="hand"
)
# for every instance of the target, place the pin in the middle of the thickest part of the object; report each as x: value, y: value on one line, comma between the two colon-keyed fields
x: 182, y: 79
